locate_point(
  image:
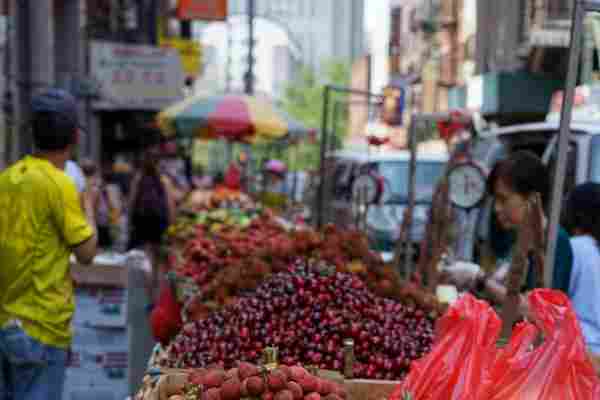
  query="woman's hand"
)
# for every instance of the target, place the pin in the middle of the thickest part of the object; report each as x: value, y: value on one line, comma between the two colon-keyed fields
x: 463, y: 275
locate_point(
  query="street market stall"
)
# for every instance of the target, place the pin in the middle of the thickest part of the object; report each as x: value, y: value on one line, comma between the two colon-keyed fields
x: 248, y: 120
x: 247, y: 285
x: 229, y: 256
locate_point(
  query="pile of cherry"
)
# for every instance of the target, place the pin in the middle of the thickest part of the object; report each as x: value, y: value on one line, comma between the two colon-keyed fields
x: 250, y: 381
x: 307, y: 315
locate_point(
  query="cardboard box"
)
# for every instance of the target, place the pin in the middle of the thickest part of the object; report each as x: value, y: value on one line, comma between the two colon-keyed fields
x: 100, y: 307
x: 99, y: 275
x: 98, y: 368
x: 82, y: 392
x: 98, y: 364
x: 107, y: 339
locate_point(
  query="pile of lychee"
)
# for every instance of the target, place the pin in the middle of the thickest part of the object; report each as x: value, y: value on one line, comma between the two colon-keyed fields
x: 249, y: 381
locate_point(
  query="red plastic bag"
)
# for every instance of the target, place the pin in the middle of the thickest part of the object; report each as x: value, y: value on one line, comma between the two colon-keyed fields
x: 165, y: 320
x: 558, y: 369
x: 460, y: 359
x: 466, y: 365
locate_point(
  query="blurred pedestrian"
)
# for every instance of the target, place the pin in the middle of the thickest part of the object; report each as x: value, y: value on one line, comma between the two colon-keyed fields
x: 73, y: 170
x: 43, y: 221
x: 274, y: 191
x: 151, y: 206
x: 109, y: 209
x: 583, y: 221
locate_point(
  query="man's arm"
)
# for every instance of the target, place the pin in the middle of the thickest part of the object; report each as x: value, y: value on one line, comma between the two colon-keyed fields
x: 86, y: 251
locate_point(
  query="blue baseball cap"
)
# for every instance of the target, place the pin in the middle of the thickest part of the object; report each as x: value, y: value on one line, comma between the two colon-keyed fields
x: 57, y: 101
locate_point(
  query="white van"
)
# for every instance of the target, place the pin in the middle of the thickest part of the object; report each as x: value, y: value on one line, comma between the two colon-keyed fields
x: 385, y: 218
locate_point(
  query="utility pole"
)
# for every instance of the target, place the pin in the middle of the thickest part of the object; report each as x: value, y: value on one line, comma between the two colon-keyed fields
x: 23, y: 50
x: 250, y: 74
x: 7, y: 98
x: 228, y: 77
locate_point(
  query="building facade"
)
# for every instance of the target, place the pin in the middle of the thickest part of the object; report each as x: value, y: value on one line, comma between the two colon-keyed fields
x: 426, y: 50
x: 321, y: 29
x: 501, y: 59
x: 51, y: 44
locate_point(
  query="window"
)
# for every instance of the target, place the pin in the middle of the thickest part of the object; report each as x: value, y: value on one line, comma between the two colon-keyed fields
x: 341, y: 180
x: 396, y: 174
x: 558, y: 9
x: 571, y: 172
x: 414, y: 22
x: 594, y: 174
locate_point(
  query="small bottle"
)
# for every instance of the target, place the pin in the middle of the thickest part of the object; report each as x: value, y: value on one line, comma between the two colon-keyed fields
x: 271, y: 357
x: 348, y: 358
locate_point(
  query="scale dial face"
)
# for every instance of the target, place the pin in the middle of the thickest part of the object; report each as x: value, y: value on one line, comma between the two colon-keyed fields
x: 366, y: 185
x: 467, y: 186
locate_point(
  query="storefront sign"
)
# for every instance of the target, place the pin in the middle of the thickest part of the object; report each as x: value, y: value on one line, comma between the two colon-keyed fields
x: 550, y: 38
x: 207, y: 10
x: 136, y: 77
x: 189, y: 51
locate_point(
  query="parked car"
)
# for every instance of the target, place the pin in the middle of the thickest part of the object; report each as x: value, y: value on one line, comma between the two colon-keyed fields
x: 384, y: 219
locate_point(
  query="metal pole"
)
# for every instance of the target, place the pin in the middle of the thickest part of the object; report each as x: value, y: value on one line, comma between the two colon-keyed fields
x: 563, y: 142
x: 7, y: 97
x: 334, y: 120
x: 22, y: 144
x: 587, y: 58
x: 412, y: 171
x: 324, y: 128
x: 229, y: 61
x: 250, y: 73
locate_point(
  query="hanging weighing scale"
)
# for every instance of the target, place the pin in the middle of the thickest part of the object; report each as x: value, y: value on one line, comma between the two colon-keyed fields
x: 466, y: 185
x: 367, y: 189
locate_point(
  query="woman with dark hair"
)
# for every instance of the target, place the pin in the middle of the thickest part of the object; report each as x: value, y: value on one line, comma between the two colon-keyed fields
x: 515, y: 183
x: 152, y: 206
x: 583, y: 221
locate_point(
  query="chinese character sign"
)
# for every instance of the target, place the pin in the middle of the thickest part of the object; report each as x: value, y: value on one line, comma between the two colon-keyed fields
x: 136, y: 77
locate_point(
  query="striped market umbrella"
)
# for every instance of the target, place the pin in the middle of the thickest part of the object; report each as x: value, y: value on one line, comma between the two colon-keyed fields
x: 232, y: 117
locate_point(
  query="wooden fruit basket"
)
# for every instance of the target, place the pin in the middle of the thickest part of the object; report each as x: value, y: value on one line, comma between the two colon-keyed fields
x: 166, y: 384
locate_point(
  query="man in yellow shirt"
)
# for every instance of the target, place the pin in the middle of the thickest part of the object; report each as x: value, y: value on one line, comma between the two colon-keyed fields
x: 42, y: 222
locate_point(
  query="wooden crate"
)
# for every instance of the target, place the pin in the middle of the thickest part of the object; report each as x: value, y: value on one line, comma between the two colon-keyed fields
x: 155, y: 387
x: 364, y: 389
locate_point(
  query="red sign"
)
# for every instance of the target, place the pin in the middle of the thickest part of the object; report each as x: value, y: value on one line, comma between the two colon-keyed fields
x: 206, y: 10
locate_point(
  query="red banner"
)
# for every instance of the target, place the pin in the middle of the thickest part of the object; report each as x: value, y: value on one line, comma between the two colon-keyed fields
x: 206, y: 10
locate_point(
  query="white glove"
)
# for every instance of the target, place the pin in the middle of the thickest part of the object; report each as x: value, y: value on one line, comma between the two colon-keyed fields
x: 501, y: 273
x: 463, y: 274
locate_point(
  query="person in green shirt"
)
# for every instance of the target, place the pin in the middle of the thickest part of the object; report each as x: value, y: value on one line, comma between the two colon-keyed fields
x: 513, y: 183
